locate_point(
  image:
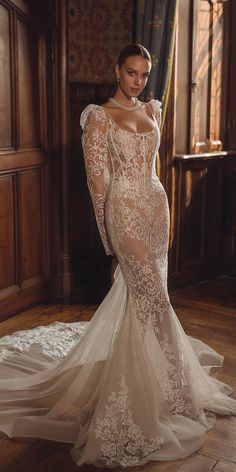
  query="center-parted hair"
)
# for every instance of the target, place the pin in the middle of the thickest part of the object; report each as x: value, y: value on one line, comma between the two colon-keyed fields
x: 133, y: 50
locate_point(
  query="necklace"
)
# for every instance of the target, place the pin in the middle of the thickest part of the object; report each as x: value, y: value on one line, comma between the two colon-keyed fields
x: 119, y: 105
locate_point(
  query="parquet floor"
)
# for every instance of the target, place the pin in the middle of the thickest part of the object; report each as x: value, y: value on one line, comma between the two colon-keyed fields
x: 206, y: 310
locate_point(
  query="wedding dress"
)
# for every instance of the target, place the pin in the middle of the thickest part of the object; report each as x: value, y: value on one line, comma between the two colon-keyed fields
x: 129, y: 386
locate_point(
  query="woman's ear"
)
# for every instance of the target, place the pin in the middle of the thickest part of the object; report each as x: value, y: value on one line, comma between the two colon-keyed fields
x: 117, y: 72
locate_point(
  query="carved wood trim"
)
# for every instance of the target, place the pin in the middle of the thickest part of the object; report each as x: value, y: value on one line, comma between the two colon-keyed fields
x: 202, y: 155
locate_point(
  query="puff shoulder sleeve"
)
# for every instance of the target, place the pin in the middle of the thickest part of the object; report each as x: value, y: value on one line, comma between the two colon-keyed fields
x: 157, y: 111
x: 94, y: 142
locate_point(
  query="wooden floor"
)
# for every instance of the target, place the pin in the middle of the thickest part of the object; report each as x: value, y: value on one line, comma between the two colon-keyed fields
x: 207, y: 311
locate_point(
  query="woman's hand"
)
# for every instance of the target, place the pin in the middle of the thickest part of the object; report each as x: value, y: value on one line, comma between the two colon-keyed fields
x: 114, y: 264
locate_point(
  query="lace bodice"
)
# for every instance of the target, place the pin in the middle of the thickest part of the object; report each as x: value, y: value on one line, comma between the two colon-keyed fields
x: 117, y: 161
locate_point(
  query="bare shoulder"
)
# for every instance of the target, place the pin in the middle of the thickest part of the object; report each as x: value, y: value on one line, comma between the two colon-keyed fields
x: 142, y: 104
x: 108, y: 105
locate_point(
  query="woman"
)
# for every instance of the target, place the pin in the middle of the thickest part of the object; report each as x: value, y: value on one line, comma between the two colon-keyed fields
x: 132, y: 388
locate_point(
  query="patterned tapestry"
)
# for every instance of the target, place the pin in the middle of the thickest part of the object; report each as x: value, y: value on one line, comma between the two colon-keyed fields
x: 98, y: 30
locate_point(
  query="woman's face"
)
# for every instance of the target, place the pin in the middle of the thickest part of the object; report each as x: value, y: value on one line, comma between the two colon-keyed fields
x: 133, y: 75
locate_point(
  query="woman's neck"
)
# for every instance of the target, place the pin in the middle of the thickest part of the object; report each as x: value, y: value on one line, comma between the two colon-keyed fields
x: 124, y: 99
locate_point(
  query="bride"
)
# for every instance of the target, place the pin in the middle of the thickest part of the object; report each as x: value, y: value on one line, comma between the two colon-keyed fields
x: 129, y: 386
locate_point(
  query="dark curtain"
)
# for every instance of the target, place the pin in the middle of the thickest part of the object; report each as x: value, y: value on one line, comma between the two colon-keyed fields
x: 155, y: 29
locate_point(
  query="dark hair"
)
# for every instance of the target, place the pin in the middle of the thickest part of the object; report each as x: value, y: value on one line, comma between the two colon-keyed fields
x: 133, y: 50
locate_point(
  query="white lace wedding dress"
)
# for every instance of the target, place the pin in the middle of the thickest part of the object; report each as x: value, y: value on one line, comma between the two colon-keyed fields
x: 129, y: 386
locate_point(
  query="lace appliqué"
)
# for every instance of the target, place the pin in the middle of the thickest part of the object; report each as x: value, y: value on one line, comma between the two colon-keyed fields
x: 176, y: 381
x: 55, y: 340
x: 203, y: 415
x: 148, y: 292
x: 122, y: 440
x: 98, y: 203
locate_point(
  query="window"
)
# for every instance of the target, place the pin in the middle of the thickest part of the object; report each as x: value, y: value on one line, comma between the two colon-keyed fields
x: 208, y: 75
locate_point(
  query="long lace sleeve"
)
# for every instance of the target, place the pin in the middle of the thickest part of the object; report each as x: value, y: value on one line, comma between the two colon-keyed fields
x: 156, y: 107
x: 94, y: 144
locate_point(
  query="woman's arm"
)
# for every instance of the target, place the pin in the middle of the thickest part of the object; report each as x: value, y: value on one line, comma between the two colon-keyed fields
x: 94, y: 141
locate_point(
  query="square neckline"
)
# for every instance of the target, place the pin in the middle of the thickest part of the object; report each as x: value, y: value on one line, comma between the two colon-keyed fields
x: 108, y: 115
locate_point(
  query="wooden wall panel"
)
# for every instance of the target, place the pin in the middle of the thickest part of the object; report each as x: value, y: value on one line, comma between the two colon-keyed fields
x: 28, y: 86
x: 201, y: 212
x: 230, y: 215
x: 89, y: 262
x: 231, y: 118
x: 192, y: 213
x: 8, y: 256
x: 26, y: 159
x: 31, y: 224
x: 213, y: 218
x: 5, y: 80
x: 197, y: 248
x: 82, y: 223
